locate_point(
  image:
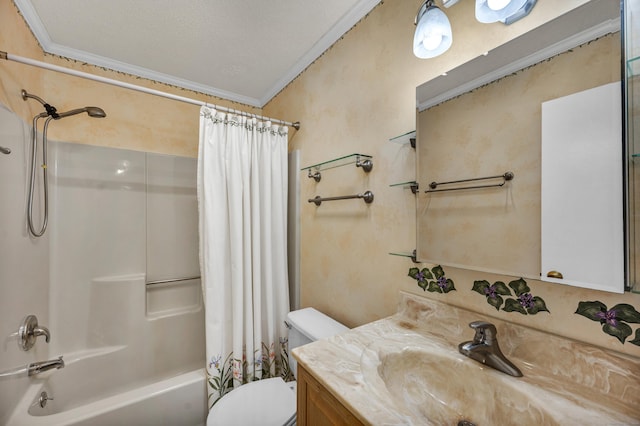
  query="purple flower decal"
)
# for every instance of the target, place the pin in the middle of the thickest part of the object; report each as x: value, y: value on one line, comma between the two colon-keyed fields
x: 432, y: 280
x: 490, y: 291
x: 523, y: 302
x: 614, y: 321
x: 608, y: 316
x: 526, y: 300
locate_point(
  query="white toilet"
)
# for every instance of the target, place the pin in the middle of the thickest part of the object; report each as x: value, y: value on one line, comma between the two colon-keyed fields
x: 272, y: 402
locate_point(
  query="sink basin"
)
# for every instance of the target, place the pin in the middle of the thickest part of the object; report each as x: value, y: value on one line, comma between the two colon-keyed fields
x: 441, y: 389
x: 430, y: 384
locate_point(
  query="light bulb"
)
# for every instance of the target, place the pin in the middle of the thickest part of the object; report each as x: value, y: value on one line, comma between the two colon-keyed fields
x: 498, y: 4
x: 433, y: 32
x: 432, y: 40
x: 488, y: 11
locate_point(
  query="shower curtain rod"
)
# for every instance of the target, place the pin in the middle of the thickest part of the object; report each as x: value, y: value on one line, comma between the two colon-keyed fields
x: 51, y: 67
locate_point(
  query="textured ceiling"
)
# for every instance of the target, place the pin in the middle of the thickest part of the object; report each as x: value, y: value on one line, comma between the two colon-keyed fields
x: 241, y: 50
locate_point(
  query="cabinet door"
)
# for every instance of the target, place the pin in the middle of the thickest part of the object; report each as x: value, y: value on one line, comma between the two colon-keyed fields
x: 317, y: 407
x: 582, y: 189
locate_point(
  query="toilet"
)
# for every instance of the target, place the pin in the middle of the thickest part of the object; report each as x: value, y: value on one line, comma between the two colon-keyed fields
x: 272, y: 402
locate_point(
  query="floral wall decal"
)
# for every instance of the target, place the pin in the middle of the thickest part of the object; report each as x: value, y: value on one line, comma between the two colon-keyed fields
x: 433, y: 280
x: 614, y: 321
x: 524, y: 302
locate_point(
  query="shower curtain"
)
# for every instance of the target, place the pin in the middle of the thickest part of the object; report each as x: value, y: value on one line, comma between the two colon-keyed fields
x: 242, y: 200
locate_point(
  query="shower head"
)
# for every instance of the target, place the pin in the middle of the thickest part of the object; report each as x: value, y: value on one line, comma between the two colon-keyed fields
x: 51, y: 110
x: 92, y: 111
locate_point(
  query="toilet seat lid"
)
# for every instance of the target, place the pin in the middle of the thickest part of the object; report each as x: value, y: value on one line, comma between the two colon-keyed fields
x: 268, y: 402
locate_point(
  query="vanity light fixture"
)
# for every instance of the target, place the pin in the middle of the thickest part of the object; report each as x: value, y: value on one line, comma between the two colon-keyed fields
x: 449, y: 3
x: 505, y: 11
x: 433, y: 34
x: 433, y: 31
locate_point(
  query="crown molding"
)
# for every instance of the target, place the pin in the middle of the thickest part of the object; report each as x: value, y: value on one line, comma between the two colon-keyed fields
x: 361, y: 8
x: 357, y: 13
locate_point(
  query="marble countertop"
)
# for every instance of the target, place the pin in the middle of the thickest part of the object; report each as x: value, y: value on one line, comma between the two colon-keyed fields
x: 406, y: 370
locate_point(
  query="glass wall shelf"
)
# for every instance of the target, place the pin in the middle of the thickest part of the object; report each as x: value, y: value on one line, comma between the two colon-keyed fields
x: 411, y: 184
x: 360, y: 160
x: 410, y: 255
x: 338, y: 162
x: 407, y: 138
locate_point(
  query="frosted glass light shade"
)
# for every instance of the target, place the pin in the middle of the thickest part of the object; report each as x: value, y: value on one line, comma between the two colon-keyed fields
x: 488, y: 11
x: 433, y: 33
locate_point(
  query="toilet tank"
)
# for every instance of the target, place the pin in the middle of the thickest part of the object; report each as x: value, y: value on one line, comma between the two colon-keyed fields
x: 308, y: 325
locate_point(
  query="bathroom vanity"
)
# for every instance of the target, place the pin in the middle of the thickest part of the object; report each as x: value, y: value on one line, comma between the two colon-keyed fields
x: 406, y: 370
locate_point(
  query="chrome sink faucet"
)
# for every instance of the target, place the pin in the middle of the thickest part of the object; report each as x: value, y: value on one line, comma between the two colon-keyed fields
x: 484, y: 348
x: 42, y: 366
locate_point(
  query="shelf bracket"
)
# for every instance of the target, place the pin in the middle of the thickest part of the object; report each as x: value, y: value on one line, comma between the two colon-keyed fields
x: 366, y: 165
x: 316, y: 176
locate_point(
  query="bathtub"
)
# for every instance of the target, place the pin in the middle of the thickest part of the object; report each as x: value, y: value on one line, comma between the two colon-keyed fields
x: 177, y: 401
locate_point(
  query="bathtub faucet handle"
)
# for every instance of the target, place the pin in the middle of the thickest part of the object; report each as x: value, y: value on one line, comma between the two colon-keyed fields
x: 29, y: 331
x: 42, y: 331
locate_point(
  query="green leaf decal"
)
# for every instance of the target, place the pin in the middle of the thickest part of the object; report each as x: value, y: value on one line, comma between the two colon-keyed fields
x: 590, y: 310
x: 438, y: 271
x: 538, y: 305
x: 433, y: 287
x: 636, y: 341
x: 519, y: 286
x: 423, y: 285
x: 620, y: 331
x: 413, y: 272
x: 502, y: 289
x: 512, y: 305
x: 480, y: 286
x: 496, y: 302
x: 626, y: 312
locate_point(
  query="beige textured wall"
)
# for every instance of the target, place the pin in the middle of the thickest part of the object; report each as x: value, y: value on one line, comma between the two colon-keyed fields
x: 354, y: 98
x: 134, y: 120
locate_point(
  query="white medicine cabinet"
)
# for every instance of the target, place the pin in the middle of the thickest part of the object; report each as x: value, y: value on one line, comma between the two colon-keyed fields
x: 582, y: 219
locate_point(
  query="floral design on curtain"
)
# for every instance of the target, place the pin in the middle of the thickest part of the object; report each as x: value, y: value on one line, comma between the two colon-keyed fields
x: 242, y: 205
x: 224, y: 375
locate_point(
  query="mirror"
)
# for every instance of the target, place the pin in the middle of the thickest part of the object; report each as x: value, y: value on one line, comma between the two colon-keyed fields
x: 483, y: 119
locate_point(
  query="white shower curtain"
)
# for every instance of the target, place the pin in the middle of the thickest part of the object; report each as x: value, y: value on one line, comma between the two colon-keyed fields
x: 242, y: 198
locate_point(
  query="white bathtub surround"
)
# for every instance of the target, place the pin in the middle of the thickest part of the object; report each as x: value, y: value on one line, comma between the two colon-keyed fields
x: 123, y: 342
x: 24, y: 262
x: 406, y: 370
x: 242, y: 194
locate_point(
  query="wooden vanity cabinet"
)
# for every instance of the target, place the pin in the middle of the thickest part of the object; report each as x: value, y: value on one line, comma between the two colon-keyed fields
x: 316, y: 405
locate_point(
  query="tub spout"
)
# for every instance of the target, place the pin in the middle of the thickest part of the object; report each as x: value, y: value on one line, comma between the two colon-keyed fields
x: 42, y: 366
